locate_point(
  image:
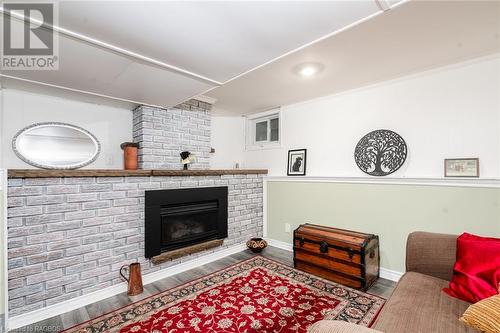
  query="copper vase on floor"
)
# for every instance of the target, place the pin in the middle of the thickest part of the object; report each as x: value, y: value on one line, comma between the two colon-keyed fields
x: 134, y: 280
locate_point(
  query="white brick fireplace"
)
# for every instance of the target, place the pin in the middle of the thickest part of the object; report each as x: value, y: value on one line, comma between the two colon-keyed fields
x: 69, y: 232
x: 68, y: 237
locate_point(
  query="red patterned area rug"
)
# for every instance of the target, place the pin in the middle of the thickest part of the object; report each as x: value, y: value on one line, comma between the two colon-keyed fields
x: 256, y: 295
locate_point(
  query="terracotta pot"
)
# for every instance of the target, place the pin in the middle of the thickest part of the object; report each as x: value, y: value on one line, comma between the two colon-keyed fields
x: 256, y: 244
x: 130, y: 158
x: 134, y: 280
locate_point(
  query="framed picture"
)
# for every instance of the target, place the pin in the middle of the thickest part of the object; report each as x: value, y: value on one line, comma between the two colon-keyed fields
x: 461, y: 167
x: 297, y: 162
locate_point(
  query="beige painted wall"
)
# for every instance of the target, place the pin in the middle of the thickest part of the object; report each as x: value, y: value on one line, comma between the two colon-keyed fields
x: 390, y: 211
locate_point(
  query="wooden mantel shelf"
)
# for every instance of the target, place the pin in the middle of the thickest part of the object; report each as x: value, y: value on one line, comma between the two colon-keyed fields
x: 39, y: 173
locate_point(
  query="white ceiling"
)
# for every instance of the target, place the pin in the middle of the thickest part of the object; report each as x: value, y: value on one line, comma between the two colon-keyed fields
x: 218, y: 40
x: 413, y: 37
x: 97, y: 70
x: 165, y: 52
x: 242, y: 52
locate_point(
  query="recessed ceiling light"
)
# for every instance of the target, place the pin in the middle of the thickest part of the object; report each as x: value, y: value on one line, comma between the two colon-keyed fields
x: 308, y: 69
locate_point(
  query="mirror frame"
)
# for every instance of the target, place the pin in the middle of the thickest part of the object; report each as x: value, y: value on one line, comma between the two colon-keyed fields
x: 43, y: 166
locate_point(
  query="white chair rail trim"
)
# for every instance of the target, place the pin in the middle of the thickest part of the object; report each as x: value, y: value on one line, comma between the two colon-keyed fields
x: 453, y: 182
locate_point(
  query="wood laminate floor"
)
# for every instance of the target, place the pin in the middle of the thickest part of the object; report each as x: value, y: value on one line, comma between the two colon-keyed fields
x: 381, y: 288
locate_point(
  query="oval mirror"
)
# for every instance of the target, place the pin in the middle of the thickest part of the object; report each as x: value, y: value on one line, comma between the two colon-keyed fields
x: 56, y: 146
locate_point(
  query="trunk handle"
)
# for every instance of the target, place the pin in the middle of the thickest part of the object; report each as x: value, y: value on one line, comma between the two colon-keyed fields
x: 350, y: 251
x: 323, y: 247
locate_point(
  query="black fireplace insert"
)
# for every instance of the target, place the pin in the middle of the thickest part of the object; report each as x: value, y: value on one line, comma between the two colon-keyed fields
x: 183, y: 217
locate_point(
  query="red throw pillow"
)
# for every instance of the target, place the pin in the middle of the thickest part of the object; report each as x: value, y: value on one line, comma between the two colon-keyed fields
x: 476, y: 274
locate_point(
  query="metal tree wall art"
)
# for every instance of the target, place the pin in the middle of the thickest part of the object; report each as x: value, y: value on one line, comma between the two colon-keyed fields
x: 380, y: 153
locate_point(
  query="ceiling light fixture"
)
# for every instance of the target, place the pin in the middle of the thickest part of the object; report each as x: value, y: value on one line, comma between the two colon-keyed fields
x: 308, y: 69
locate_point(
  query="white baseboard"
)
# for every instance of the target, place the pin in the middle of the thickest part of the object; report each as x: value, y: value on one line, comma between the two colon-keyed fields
x: 279, y: 244
x: 390, y: 274
x: 80, y: 301
x: 384, y: 272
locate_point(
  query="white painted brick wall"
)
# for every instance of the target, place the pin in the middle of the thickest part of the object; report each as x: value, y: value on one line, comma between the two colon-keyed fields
x: 69, y: 236
x: 163, y: 133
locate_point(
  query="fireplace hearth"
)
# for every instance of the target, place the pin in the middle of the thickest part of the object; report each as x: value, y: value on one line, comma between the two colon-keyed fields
x: 180, y: 218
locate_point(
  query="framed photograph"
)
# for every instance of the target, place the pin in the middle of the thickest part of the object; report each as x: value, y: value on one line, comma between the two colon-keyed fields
x: 461, y: 167
x: 297, y: 162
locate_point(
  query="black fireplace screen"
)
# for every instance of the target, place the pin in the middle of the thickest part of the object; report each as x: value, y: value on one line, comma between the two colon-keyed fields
x: 184, y: 217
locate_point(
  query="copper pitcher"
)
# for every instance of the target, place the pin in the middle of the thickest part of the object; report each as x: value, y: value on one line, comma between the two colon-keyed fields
x: 134, y: 280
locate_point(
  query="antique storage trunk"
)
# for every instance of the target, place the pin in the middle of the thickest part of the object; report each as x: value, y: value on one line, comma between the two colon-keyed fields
x: 346, y: 257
